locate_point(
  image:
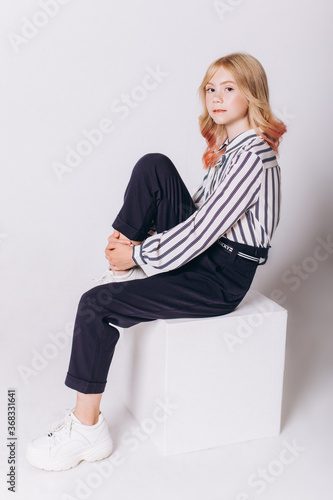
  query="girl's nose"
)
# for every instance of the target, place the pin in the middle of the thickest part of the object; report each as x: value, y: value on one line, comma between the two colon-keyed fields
x: 217, y: 98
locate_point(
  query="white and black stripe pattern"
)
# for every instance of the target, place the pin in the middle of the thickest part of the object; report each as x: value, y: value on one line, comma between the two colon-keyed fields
x: 239, y: 198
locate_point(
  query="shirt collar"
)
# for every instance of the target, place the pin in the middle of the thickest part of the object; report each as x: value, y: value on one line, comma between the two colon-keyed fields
x: 237, y: 141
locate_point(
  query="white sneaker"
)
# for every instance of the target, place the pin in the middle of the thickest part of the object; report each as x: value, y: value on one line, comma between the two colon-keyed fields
x: 135, y: 273
x: 68, y: 443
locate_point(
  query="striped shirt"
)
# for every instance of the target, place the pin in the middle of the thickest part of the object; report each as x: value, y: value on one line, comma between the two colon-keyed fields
x: 239, y: 198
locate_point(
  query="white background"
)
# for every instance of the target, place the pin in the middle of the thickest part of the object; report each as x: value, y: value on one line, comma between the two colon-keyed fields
x: 53, y: 232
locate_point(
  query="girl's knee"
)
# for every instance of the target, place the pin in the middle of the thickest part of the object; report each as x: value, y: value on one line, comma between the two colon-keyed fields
x: 151, y: 161
x: 95, y: 302
x: 88, y: 296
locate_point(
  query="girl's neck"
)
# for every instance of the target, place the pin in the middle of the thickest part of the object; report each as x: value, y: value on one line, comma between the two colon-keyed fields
x: 237, y: 128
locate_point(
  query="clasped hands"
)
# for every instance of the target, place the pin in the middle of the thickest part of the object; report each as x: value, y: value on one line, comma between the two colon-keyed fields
x: 119, y: 252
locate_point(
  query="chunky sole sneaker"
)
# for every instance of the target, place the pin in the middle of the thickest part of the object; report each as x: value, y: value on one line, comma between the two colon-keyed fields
x: 135, y: 273
x: 69, y: 443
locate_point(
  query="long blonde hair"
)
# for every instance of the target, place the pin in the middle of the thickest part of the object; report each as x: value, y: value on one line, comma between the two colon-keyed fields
x: 251, y: 80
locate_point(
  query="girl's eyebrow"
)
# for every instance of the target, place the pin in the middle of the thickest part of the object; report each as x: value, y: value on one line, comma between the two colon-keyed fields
x: 222, y: 83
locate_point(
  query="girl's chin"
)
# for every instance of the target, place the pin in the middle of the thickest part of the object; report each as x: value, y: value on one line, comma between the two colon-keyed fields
x: 218, y: 120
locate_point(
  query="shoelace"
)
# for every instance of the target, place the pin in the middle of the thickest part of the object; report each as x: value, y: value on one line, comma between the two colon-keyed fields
x: 62, y: 428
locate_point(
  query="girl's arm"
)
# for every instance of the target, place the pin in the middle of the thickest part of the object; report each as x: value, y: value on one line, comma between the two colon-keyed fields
x: 199, y: 193
x: 227, y: 204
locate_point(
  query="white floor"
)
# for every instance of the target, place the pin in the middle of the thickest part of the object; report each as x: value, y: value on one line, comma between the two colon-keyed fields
x: 246, y: 471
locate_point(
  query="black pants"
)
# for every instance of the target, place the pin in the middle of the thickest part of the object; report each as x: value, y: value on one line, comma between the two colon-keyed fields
x: 212, y: 284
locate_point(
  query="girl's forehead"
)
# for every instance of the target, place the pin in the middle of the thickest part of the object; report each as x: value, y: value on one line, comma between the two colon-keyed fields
x: 222, y: 75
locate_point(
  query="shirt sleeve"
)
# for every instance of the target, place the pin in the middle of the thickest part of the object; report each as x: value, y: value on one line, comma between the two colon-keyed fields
x: 237, y: 192
x: 197, y: 197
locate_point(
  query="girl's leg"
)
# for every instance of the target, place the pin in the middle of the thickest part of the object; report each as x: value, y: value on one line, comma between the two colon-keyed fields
x: 155, y: 198
x: 87, y: 408
x: 212, y: 284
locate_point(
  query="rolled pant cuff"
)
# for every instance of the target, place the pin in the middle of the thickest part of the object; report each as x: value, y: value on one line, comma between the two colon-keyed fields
x: 83, y: 386
x: 129, y: 231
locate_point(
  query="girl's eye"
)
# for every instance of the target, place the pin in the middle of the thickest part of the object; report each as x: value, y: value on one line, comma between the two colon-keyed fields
x: 210, y: 89
x: 229, y: 89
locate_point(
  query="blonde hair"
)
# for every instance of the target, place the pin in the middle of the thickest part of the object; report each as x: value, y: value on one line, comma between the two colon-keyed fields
x: 251, y: 80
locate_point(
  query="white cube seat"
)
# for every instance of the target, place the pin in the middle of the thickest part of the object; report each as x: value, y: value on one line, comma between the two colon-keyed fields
x: 222, y: 376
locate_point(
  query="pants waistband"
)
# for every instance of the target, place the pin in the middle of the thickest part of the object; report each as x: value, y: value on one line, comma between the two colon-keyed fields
x: 256, y: 254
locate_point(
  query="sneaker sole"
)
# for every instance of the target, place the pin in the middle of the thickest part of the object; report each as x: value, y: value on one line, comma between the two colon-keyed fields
x: 90, y: 454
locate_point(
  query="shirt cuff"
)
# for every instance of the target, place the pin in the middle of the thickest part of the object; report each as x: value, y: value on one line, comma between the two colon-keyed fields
x: 137, y: 255
x: 140, y: 261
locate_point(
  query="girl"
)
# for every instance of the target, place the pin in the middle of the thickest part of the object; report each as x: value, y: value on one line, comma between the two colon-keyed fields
x: 200, y: 254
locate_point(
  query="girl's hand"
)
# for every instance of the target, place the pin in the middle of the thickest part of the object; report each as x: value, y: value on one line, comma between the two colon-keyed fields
x: 119, y: 252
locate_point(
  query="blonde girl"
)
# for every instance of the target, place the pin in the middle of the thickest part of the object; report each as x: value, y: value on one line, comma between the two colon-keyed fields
x: 198, y: 254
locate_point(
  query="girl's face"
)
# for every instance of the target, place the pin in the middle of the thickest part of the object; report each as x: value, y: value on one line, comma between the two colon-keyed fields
x: 226, y: 104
